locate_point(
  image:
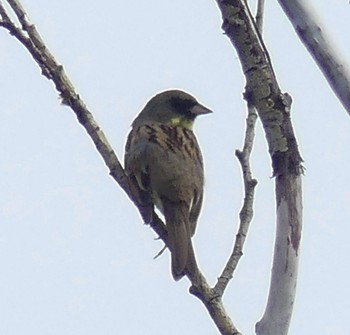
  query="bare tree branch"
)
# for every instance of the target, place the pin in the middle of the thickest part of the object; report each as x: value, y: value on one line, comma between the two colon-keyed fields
x: 213, y: 303
x: 246, y: 213
x: 55, y: 72
x: 283, y: 282
x: 273, y: 108
x: 4, y: 17
x: 260, y: 15
x: 317, y: 42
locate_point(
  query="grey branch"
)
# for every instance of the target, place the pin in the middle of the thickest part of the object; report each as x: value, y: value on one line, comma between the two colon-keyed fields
x: 246, y: 213
x: 317, y: 42
x: 283, y: 282
x: 260, y: 15
x: 274, y: 110
x: 55, y: 72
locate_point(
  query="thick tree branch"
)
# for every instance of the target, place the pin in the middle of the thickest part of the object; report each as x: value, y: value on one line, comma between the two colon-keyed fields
x: 283, y: 282
x: 263, y: 92
x: 316, y: 41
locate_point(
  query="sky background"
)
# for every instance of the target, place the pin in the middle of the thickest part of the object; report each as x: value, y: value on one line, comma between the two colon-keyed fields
x: 75, y: 256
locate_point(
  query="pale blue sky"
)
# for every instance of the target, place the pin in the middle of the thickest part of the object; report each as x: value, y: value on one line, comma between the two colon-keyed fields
x: 75, y: 257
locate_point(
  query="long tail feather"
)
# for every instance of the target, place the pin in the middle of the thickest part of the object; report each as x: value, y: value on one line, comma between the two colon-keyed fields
x: 176, y: 217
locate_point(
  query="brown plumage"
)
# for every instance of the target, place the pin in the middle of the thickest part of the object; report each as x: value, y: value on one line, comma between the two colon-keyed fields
x: 163, y: 160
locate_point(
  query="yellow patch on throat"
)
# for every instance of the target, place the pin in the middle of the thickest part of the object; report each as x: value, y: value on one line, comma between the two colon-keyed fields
x: 182, y: 122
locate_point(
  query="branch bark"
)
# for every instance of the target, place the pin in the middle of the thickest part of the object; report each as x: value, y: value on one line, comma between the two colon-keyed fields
x: 283, y: 282
x: 263, y: 92
x: 213, y: 296
x: 246, y: 213
x: 301, y: 15
x: 52, y: 70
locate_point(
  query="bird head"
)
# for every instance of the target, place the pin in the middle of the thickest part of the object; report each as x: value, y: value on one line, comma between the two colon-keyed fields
x: 174, y: 107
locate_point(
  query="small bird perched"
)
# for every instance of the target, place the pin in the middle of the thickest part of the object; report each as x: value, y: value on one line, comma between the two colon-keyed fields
x: 164, y: 162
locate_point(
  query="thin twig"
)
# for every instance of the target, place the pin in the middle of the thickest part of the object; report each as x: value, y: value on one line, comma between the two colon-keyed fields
x: 246, y: 213
x: 260, y: 15
x: 4, y: 17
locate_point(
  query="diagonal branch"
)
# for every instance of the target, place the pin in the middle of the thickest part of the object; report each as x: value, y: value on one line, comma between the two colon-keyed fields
x: 55, y: 72
x: 4, y: 17
x: 318, y: 44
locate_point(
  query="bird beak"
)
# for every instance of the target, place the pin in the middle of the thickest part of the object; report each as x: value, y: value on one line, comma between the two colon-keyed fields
x: 200, y: 109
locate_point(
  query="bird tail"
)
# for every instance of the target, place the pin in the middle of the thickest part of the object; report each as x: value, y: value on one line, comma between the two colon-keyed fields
x: 177, y: 222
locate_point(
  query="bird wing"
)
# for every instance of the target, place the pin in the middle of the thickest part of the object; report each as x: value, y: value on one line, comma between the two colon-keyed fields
x: 137, y: 173
x: 195, y: 209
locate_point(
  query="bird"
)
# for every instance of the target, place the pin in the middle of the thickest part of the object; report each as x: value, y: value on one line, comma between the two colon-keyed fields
x: 163, y: 161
